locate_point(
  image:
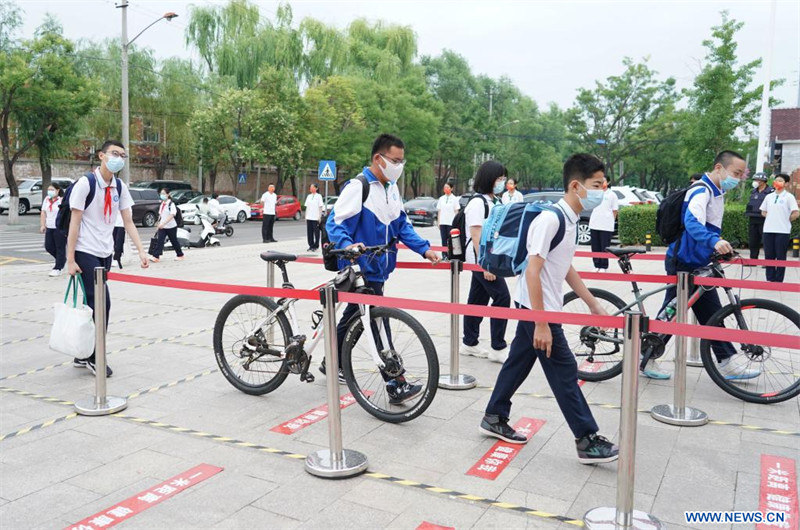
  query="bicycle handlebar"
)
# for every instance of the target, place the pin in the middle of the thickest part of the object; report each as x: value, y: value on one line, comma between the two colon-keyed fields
x: 717, y: 257
x: 357, y: 252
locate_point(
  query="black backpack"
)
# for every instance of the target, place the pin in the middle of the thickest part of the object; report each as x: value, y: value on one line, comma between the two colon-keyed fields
x: 669, y: 217
x: 330, y: 261
x: 65, y: 212
x: 178, y: 216
x: 459, y: 221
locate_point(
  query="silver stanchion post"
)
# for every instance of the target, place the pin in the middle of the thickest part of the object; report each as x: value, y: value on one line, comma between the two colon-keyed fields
x: 623, y: 516
x: 100, y: 404
x: 678, y: 413
x: 454, y: 380
x: 693, y: 359
x: 334, y: 462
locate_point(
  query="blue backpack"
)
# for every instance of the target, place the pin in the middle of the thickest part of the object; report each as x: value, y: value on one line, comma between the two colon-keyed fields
x: 65, y: 212
x: 504, y: 249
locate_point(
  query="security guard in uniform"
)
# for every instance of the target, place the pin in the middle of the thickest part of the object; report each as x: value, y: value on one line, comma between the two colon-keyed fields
x: 756, y: 220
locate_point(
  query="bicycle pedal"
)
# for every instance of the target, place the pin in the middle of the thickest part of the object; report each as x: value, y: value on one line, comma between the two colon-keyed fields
x: 307, y: 377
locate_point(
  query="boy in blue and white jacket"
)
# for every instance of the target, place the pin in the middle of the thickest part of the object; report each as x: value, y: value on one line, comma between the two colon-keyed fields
x: 702, y: 210
x: 377, y: 221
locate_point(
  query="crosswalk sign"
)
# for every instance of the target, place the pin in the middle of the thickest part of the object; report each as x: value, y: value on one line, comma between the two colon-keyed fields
x: 242, y: 178
x: 327, y: 170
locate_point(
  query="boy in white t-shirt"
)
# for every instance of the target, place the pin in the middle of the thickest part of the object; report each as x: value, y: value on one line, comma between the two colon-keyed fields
x: 601, y: 225
x: 314, y: 209
x: 540, y: 289
x: 779, y: 209
x: 90, y: 242
x: 446, y: 207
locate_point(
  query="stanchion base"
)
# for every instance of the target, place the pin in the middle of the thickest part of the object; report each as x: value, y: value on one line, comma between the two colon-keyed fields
x: 695, y: 364
x: 90, y: 407
x: 668, y: 414
x: 319, y: 463
x: 605, y: 519
x: 459, y: 382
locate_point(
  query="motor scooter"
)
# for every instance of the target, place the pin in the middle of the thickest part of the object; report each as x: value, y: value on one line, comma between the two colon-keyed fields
x: 207, y: 233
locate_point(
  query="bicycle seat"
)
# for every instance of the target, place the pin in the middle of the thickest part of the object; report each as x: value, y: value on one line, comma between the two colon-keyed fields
x: 625, y: 251
x: 272, y: 255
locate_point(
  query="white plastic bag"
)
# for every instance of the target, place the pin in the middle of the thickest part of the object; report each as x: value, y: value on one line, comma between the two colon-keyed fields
x: 73, y: 326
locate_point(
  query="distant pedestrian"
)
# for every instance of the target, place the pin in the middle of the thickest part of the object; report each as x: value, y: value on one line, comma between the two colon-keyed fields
x: 119, y: 239
x: 779, y: 209
x: 268, y: 200
x: 511, y: 194
x: 601, y: 225
x: 446, y: 208
x: 55, y: 240
x: 167, y: 227
x: 753, y: 210
x: 90, y: 242
x: 695, y: 177
x: 314, y: 209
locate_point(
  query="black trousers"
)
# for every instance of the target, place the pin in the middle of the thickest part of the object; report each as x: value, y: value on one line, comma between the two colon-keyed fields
x: 172, y: 234
x: 87, y: 263
x: 775, y: 247
x: 312, y: 233
x: 480, y: 291
x: 444, y: 232
x: 267, y: 223
x: 601, y: 239
x: 55, y: 243
x: 119, y: 242
x: 560, y: 369
x: 755, y: 231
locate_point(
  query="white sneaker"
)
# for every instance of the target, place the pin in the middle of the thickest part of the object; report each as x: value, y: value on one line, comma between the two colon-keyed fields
x: 178, y: 258
x: 474, y: 351
x: 55, y: 272
x: 731, y: 371
x: 498, y: 356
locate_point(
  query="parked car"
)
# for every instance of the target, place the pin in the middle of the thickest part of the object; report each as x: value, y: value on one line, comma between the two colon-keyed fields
x: 421, y: 211
x: 650, y: 197
x: 184, y: 196
x: 236, y: 209
x: 170, y: 185
x: 145, y: 206
x: 30, y: 194
x: 287, y: 207
x: 629, y: 196
x: 552, y: 197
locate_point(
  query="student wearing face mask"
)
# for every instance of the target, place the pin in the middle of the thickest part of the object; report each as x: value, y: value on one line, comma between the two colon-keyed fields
x: 358, y: 222
x: 779, y: 210
x: 489, y: 183
x: 446, y: 209
x: 167, y: 227
x: 754, y: 217
x: 511, y: 194
x: 601, y: 225
x: 55, y: 240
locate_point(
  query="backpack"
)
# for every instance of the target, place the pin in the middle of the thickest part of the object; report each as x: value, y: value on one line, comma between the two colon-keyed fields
x: 669, y: 217
x: 460, y: 222
x: 178, y: 216
x: 65, y: 212
x: 331, y: 261
x: 504, y: 249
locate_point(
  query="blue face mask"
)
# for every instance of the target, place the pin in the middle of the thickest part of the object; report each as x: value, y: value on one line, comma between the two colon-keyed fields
x: 729, y: 183
x: 593, y: 198
x: 499, y: 186
x: 115, y: 163
x: 163, y: 197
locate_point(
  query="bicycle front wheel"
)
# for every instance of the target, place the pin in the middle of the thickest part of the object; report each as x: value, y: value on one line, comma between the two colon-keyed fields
x: 755, y: 373
x: 409, y: 355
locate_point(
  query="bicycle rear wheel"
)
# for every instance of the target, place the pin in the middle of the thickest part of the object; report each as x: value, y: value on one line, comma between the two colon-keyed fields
x: 597, y: 359
x: 410, y: 352
x: 251, y: 362
x: 779, y: 379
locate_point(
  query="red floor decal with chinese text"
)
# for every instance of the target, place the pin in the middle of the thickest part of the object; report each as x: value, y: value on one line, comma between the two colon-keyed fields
x: 778, y: 492
x: 502, y: 453
x: 312, y: 416
x: 126, y: 509
x: 430, y: 526
x: 586, y: 366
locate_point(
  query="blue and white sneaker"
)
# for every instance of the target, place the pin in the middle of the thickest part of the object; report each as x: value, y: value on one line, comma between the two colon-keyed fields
x: 737, y: 372
x: 596, y: 449
x: 651, y: 371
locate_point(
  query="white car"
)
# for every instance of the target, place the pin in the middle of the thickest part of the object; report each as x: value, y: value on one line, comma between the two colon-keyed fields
x: 30, y: 194
x: 629, y: 196
x: 236, y: 209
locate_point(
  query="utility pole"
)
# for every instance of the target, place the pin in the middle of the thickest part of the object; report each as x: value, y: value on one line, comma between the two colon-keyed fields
x: 764, y: 119
x: 491, y: 95
x: 126, y: 119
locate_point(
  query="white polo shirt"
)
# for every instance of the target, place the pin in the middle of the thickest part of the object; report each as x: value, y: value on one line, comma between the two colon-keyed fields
x: 166, y: 209
x: 602, y: 217
x: 516, y: 197
x: 448, y: 205
x: 269, y: 200
x: 556, y: 262
x: 50, y: 209
x: 473, y: 216
x: 779, y: 206
x: 314, y: 207
x: 213, y: 207
x: 97, y: 228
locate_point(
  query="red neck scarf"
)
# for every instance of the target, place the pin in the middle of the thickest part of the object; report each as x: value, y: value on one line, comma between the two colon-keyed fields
x: 107, y: 206
x: 52, y: 202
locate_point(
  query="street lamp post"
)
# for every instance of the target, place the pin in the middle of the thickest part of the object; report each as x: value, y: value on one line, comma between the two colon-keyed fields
x: 126, y: 119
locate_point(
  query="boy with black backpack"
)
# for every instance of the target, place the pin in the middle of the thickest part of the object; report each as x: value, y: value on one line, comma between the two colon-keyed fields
x: 540, y: 289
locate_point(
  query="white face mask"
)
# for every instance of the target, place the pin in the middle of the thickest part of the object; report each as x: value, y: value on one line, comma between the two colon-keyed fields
x: 392, y: 171
x: 755, y: 183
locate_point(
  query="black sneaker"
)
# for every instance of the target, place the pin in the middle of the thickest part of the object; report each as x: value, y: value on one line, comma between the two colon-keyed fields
x: 91, y: 367
x: 494, y: 425
x: 79, y: 363
x: 596, y: 449
x: 401, y: 391
x: 342, y: 380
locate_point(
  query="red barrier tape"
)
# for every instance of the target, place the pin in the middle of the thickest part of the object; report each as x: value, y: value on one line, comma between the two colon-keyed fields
x: 748, y: 284
x: 554, y: 317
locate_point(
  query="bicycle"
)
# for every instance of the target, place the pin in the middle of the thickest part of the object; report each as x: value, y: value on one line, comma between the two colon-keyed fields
x: 256, y: 347
x: 599, y: 352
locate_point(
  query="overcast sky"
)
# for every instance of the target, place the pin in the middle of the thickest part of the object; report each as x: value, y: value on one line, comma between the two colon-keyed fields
x: 549, y: 49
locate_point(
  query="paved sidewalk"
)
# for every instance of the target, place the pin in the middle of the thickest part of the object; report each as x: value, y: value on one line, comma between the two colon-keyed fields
x: 57, y: 469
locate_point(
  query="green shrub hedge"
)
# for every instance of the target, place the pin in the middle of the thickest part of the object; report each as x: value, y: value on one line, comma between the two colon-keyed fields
x: 637, y: 221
